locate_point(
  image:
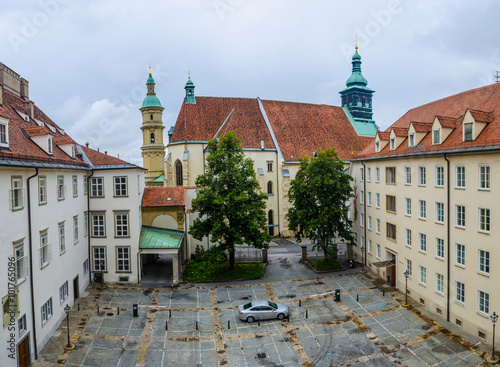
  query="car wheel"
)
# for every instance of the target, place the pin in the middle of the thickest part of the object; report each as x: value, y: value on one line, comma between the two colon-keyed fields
x: 281, y: 316
x: 250, y: 319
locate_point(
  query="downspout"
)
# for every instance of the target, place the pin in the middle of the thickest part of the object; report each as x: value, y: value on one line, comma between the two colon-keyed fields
x: 448, y: 238
x: 30, y: 237
x: 364, y: 211
x: 278, y: 193
x: 139, y: 268
x: 88, y: 224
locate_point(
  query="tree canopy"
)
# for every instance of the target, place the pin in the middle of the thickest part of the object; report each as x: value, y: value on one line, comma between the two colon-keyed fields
x: 319, y: 195
x: 230, y: 202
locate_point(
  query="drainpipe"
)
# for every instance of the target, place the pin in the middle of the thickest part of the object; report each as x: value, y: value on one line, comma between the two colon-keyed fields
x: 364, y: 211
x: 30, y: 237
x: 448, y: 238
x: 278, y: 193
x: 139, y: 268
x: 89, y: 189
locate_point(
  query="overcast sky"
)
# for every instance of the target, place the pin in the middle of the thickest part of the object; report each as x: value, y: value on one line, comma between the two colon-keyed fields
x: 87, y: 61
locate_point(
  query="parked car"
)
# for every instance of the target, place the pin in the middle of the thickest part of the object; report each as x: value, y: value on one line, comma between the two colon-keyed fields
x: 262, y: 310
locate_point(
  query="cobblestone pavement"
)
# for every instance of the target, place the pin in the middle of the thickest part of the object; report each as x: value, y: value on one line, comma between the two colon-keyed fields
x: 198, y: 326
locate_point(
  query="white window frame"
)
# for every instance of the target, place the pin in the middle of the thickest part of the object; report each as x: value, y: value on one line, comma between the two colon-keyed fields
x: 408, y: 206
x: 42, y: 190
x: 4, y: 133
x: 22, y: 262
x: 121, y: 226
x: 439, y: 248
x: 17, y: 193
x: 63, y: 292
x: 97, y: 187
x: 98, y: 225
x: 362, y: 219
x: 369, y: 174
x: 377, y: 225
x: 439, y: 212
x: 483, y: 261
x: 123, y: 259
x: 120, y: 186
x: 460, y: 218
x: 76, y: 234
x: 361, y: 174
x: 369, y: 225
x: 483, y: 302
x: 22, y: 326
x: 379, y: 251
x: 439, y: 176
x: 484, y: 219
x: 434, y: 141
x: 85, y: 185
x: 422, y: 242
x: 62, y: 237
x: 85, y: 224
x: 422, y: 176
x: 422, y: 209
x: 361, y: 197
x: 45, y: 250
x: 377, y: 200
x: 408, y: 237
x: 484, y: 177
x: 393, y: 143
x: 98, y: 255
x: 439, y: 283
x: 422, y: 275
x: 75, y: 186
x: 369, y: 198
x: 460, y: 177
x: 370, y: 246
x: 411, y: 140
x: 460, y: 292
x: 409, y: 267
x: 46, y: 311
x: 407, y: 175
x: 377, y: 174
x: 466, y: 135
x: 61, y: 188
x: 460, y: 254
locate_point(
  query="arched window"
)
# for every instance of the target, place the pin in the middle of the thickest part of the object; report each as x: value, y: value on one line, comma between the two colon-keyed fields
x: 178, y: 173
x: 270, y: 217
x: 151, y: 117
x: 152, y: 138
x: 270, y: 188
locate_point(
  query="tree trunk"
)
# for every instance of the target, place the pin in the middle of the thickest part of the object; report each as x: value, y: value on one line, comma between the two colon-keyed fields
x: 231, y: 259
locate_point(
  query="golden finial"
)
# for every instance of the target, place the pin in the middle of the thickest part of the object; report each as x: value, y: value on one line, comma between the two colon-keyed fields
x: 189, y: 75
x: 356, y: 40
x: 149, y: 69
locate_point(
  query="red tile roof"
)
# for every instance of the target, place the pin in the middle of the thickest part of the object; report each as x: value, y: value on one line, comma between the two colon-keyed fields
x: 382, y: 135
x: 422, y: 127
x: 299, y: 128
x: 400, y: 131
x: 159, y: 196
x: 479, y: 101
x: 63, y: 140
x: 101, y: 159
x: 37, y: 131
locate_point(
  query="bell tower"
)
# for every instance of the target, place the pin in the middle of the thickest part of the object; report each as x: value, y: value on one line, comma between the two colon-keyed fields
x: 153, y: 150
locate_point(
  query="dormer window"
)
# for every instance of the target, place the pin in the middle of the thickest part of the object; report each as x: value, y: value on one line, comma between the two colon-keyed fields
x: 411, y: 140
x: 4, y: 133
x: 393, y: 143
x: 468, y: 136
x: 436, y: 136
x: 49, y: 146
x: 377, y: 146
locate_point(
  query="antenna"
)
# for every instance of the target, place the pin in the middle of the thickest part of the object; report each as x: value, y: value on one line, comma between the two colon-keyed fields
x: 496, y: 76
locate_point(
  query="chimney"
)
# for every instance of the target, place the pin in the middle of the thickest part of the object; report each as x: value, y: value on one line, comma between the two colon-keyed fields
x: 262, y: 144
x: 97, y: 149
x: 25, y: 89
x: 87, y: 144
x: 106, y: 152
x: 29, y: 109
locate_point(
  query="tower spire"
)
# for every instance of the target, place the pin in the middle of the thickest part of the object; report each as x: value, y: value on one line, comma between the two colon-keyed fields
x: 190, y: 97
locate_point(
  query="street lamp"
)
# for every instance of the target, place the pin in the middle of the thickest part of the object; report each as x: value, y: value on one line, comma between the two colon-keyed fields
x: 68, y: 346
x: 362, y: 259
x: 493, y: 358
x: 407, y: 275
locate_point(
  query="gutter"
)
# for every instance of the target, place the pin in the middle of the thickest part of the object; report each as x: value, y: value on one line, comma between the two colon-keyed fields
x: 448, y: 238
x: 30, y: 236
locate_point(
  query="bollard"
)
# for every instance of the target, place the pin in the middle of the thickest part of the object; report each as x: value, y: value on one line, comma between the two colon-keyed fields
x: 228, y: 325
x: 166, y: 325
x: 169, y: 313
x: 135, y: 310
x: 97, y: 309
x: 357, y: 297
x: 258, y: 322
x: 300, y: 303
x: 307, y: 314
x: 383, y: 292
x: 337, y: 295
x: 196, y: 325
x: 118, y: 310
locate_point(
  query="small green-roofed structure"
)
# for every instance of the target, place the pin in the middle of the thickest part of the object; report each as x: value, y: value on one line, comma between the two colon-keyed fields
x: 160, y: 238
x: 160, y: 179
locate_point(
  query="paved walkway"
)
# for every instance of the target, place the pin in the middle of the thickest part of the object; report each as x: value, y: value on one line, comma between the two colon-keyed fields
x: 197, y: 325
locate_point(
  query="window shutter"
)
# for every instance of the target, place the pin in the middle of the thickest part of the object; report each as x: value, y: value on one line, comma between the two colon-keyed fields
x: 23, y: 197
x: 11, y: 199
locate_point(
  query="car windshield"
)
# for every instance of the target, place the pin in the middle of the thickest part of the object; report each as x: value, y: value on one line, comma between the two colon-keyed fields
x: 247, y: 306
x: 273, y: 305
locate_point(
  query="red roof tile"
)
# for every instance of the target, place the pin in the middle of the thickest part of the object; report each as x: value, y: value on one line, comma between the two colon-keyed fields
x: 449, y: 122
x: 37, y: 131
x: 400, y: 131
x: 159, y: 196
x: 384, y: 135
x: 101, y: 159
x: 481, y: 116
x: 63, y: 140
x: 422, y: 127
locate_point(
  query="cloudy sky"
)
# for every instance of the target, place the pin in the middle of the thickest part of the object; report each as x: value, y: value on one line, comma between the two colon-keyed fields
x: 87, y: 61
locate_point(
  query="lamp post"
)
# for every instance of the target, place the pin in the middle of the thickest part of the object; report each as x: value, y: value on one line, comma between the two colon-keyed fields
x: 362, y: 259
x: 407, y: 275
x: 493, y: 358
x: 68, y: 346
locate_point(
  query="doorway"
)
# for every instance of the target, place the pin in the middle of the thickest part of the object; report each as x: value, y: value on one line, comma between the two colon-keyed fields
x: 23, y: 352
x: 76, y: 288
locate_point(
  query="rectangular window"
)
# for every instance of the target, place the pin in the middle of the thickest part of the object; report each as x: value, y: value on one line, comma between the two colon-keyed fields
x: 85, y: 266
x: 97, y: 187
x: 484, y: 177
x: 98, y: 228
x: 62, y: 238
x: 391, y: 231
x: 21, y: 325
x: 422, y: 240
x: 468, y: 132
x: 45, y: 249
x: 369, y: 222
x: 440, y: 212
x: 439, y: 176
x: 411, y: 140
x: 85, y: 185
x: 439, y: 247
x: 75, y: 186
x: 123, y: 258
x: 370, y: 246
x: 484, y: 302
x: 390, y: 175
x: 460, y: 177
x: 436, y: 136
x: 121, y: 225
x: 120, y: 186
x: 460, y: 254
x: 46, y: 311
x: 423, y: 274
x: 379, y: 252
x: 484, y: 261
x: 440, y: 283
x: 390, y: 203
x: 369, y: 175
x: 369, y: 198
x: 484, y: 219
x: 422, y: 209
x: 63, y: 292
x: 408, y: 175
x: 3, y: 133
x: 17, y: 194
x: 99, y: 258
x: 460, y: 292
x: 75, y: 230
x: 377, y: 146
x: 377, y: 174
x: 361, y: 196
x: 362, y: 220
x: 269, y: 166
x: 85, y: 224
x: 42, y: 190
x: 22, y: 263
x: 460, y: 215
x: 422, y: 179
x: 408, y: 206
x: 408, y: 237
x: 377, y: 222
x: 362, y: 174
x: 393, y: 143
x: 408, y: 266
x: 60, y: 188
x: 377, y: 200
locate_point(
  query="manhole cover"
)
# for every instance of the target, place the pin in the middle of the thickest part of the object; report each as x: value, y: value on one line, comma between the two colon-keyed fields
x: 110, y: 314
x: 244, y: 297
x: 426, y: 327
x: 261, y: 355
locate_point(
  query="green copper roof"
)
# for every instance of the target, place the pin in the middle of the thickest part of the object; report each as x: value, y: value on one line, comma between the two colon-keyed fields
x: 151, y: 101
x: 160, y: 178
x: 356, y: 77
x: 160, y: 238
x: 366, y: 128
x: 150, y: 79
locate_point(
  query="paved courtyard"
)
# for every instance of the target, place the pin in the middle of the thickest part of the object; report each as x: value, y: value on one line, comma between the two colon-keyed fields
x: 198, y: 326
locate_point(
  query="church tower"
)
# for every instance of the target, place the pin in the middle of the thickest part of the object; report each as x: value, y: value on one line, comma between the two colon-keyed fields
x: 153, y: 150
x: 357, y: 97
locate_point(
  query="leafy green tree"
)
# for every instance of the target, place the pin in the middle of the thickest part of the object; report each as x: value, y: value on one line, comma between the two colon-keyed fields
x: 319, y: 195
x: 230, y: 202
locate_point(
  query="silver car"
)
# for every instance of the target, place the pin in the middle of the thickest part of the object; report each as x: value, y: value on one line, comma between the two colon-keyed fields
x: 261, y: 310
